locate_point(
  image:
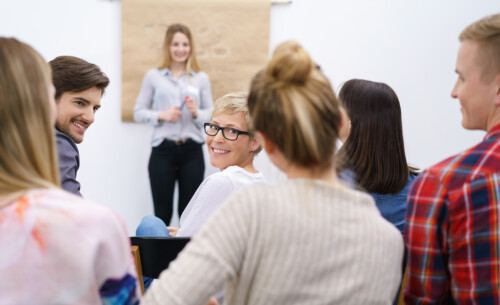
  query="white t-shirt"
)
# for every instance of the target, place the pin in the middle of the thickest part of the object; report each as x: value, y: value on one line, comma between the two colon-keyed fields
x: 214, y: 190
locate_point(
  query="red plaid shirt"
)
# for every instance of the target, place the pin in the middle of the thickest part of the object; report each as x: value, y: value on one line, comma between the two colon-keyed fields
x: 453, y: 229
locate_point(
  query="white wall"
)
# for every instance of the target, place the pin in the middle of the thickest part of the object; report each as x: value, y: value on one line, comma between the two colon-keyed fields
x: 409, y: 45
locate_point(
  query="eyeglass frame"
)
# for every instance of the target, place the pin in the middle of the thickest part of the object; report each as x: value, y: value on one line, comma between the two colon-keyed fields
x: 219, y: 128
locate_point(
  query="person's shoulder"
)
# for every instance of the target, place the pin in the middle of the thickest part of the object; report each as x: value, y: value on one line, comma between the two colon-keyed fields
x: 218, y: 178
x: 201, y: 75
x: 236, y: 173
x: 458, y: 169
x: 65, y: 142
x: 79, y: 208
x: 233, y: 170
x: 154, y: 73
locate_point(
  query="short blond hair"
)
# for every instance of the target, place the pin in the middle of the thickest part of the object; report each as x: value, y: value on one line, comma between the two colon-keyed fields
x: 233, y: 103
x: 486, y: 32
x: 28, y: 157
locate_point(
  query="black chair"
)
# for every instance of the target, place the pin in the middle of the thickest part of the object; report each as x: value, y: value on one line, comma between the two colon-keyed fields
x: 154, y: 254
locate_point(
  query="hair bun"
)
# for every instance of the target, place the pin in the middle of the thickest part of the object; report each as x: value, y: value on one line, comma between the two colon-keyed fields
x: 291, y: 64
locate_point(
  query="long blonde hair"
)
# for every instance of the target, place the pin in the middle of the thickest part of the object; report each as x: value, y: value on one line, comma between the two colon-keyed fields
x: 191, y: 62
x: 27, y: 147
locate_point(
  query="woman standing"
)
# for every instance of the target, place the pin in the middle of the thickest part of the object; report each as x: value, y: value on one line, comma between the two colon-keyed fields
x: 374, y: 147
x: 176, y: 99
x: 309, y: 240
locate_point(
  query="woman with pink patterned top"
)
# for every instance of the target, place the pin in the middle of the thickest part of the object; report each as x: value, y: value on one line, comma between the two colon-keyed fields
x: 56, y: 247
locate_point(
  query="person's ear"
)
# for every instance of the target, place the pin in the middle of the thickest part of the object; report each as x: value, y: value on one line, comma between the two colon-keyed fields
x: 266, y: 143
x: 255, y: 143
x: 497, y: 84
x: 345, y: 125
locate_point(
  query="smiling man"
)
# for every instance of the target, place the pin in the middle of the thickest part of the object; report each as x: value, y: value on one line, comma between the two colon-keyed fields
x: 79, y: 87
x: 452, y: 228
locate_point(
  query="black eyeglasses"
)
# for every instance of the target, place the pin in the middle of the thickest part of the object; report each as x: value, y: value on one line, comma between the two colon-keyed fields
x: 228, y: 133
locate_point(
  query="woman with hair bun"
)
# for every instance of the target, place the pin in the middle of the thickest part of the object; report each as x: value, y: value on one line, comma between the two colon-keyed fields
x: 309, y: 240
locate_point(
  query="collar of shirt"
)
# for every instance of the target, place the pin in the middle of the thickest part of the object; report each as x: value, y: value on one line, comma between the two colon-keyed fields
x: 493, y: 132
x: 166, y: 71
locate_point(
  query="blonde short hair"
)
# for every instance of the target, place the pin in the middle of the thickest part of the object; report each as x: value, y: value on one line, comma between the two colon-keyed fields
x: 27, y: 145
x: 486, y: 32
x: 232, y: 103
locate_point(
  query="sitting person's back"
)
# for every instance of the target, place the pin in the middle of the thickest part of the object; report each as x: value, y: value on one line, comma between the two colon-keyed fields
x: 60, y: 248
x: 309, y: 240
x: 55, y: 248
x: 373, y: 151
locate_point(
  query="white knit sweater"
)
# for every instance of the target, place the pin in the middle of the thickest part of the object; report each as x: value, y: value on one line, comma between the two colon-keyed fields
x: 302, y: 242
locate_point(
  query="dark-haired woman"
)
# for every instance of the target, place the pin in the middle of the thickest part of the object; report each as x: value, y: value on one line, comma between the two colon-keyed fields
x: 309, y: 240
x: 373, y: 149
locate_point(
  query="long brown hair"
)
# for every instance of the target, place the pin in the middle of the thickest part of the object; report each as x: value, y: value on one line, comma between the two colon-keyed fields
x: 375, y: 148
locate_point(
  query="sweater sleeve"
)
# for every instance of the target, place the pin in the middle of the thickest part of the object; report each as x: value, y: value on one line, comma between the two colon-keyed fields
x: 213, y: 257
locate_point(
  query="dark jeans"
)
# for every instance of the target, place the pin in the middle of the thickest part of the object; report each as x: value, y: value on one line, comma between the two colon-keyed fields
x: 170, y: 162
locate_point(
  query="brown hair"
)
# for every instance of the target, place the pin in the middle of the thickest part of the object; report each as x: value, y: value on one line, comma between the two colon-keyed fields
x: 73, y: 74
x: 27, y: 146
x: 191, y: 62
x: 294, y: 105
x: 486, y: 32
x: 375, y: 148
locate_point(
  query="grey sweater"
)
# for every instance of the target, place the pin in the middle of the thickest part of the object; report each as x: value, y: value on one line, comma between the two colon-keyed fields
x: 302, y: 242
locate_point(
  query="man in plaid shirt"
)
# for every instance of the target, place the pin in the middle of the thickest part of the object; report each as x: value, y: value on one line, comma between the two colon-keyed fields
x: 453, y: 216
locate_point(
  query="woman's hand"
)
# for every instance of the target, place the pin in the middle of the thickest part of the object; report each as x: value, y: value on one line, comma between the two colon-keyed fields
x: 212, y: 301
x: 191, y: 106
x: 172, y: 231
x: 171, y: 115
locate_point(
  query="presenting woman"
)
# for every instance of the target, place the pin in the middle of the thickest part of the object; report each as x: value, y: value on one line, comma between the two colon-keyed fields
x: 176, y: 99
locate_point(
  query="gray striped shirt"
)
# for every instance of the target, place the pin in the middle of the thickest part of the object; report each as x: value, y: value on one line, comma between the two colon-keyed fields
x: 161, y: 91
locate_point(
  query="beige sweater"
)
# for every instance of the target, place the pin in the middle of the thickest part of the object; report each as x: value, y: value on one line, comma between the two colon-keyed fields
x: 302, y: 242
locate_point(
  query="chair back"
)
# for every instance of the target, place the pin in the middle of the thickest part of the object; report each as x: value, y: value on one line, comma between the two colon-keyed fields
x: 156, y: 253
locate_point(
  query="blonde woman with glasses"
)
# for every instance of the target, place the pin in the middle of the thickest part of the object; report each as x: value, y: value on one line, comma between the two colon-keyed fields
x: 232, y: 146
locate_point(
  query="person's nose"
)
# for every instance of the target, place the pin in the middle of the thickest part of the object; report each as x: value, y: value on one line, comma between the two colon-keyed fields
x: 454, y: 91
x: 219, y: 137
x: 88, y: 115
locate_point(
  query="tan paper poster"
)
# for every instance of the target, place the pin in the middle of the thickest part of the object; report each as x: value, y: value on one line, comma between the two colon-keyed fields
x: 231, y: 38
